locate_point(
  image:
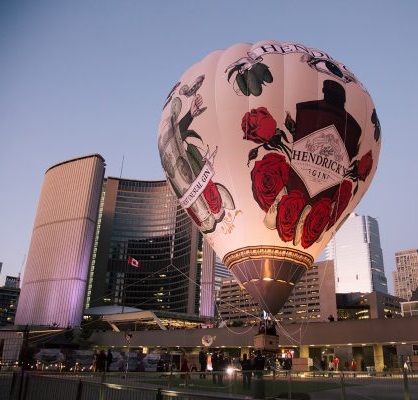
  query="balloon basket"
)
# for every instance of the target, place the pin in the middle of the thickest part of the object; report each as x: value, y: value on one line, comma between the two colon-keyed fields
x: 266, y: 342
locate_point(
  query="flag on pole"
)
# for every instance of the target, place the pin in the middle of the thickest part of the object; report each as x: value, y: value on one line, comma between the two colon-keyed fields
x: 132, y: 261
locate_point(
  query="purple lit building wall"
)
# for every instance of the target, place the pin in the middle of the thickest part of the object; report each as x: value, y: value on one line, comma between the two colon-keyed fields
x: 57, y: 266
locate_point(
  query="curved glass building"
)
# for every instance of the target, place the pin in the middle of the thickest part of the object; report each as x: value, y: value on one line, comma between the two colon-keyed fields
x: 56, y: 272
x: 143, y: 220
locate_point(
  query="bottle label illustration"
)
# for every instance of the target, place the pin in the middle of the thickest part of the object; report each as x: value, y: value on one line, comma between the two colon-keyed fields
x: 198, y: 186
x: 320, y: 159
x: 189, y: 170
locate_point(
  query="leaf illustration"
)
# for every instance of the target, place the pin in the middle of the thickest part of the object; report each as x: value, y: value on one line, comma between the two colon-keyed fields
x: 236, y: 68
x: 190, y: 133
x: 282, y: 134
x: 195, y: 158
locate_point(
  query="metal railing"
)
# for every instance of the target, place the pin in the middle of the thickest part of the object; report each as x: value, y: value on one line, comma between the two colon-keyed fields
x: 397, y: 385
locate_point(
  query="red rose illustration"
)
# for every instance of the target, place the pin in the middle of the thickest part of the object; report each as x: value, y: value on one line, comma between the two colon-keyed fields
x: 316, y: 221
x: 258, y: 125
x: 212, y: 197
x: 341, y: 199
x: 365, y: 166
x: 288, y: 211
x: 269, y: 175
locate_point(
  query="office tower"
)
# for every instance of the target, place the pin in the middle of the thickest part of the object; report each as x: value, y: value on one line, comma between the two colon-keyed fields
x: 9, y: 296
x: 235, y: 304
x: 55, y: 278
x: 221, y: 273
x: 207, y: 289
x: 410, y: 308
x: 372, y: 305
x: 358, y: 256
x: 405, y: 278
x: 214, y: 271
x: 143, y: 220
x: 313, y: 297
x: 12, y: 282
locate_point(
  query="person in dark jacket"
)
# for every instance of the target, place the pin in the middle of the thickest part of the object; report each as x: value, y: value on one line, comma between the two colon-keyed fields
x: 101, y: 361
x: 221, y: 367
x: 259, y: 363
x: 215, y: 366
x: 203, y: 362
x: 109, y: 360
x: 246, y: 371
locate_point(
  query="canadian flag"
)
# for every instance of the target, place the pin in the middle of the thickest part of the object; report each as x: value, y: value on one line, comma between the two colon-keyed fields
x: 132, y: 261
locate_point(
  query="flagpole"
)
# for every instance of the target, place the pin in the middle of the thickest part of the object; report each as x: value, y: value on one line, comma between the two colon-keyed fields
x: 124, y: 284
x: 134, y: 263
x: 126, y: 265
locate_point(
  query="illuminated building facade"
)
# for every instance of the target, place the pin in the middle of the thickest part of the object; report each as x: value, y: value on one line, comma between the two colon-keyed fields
x: 236, y: 304
x: 143, y: 220
x: 405, y: 278
x: 358, y: 256
x: 9, y: 296
x: 54, y: 283
x: 313, y: 299
x: 367, y: 306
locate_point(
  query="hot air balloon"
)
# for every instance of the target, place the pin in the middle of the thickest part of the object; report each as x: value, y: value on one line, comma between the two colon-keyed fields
x: 269, y: 147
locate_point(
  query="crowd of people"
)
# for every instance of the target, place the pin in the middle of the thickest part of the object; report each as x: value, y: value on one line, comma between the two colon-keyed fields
x: 251, y: 365
x: 333, y: 365
x: 102, y: 361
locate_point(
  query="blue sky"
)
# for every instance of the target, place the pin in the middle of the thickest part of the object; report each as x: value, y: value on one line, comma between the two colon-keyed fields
x: 91, y: 76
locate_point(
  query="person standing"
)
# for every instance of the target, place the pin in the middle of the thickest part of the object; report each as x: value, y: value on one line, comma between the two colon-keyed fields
x: 323, y: 364
x: 184, y: 369
x: 259, y: 363
x: 95, y: 358
x: 203, y: 361
x: 101, y: 361
x: 353, y: 366
x: 246, y: 371
x: 215, y: 366
x: 221, y: 367
x: 336, y: 363
x: 109, y: 360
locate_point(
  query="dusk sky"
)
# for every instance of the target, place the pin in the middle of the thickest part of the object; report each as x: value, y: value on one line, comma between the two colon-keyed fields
x: 91, y: 76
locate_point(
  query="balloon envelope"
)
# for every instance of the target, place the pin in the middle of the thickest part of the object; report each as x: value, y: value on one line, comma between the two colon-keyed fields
x: 269, y: 147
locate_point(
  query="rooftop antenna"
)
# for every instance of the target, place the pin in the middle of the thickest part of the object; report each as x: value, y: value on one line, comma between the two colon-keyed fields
x: 126, y: 266
x: 20, y: 272
x: 121, y: 167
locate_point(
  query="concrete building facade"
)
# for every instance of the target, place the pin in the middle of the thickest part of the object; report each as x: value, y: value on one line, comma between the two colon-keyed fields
x: 57, y: 265
x: 372, y: 305
x: 405, y: 278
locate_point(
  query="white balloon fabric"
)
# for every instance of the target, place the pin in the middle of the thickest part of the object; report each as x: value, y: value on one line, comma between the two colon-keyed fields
x: 269, y: 147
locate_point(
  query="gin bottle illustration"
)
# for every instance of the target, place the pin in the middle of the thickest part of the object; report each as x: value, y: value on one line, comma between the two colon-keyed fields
x: 326, y: 139
x: 178, y: 170
x: 314, y: 115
